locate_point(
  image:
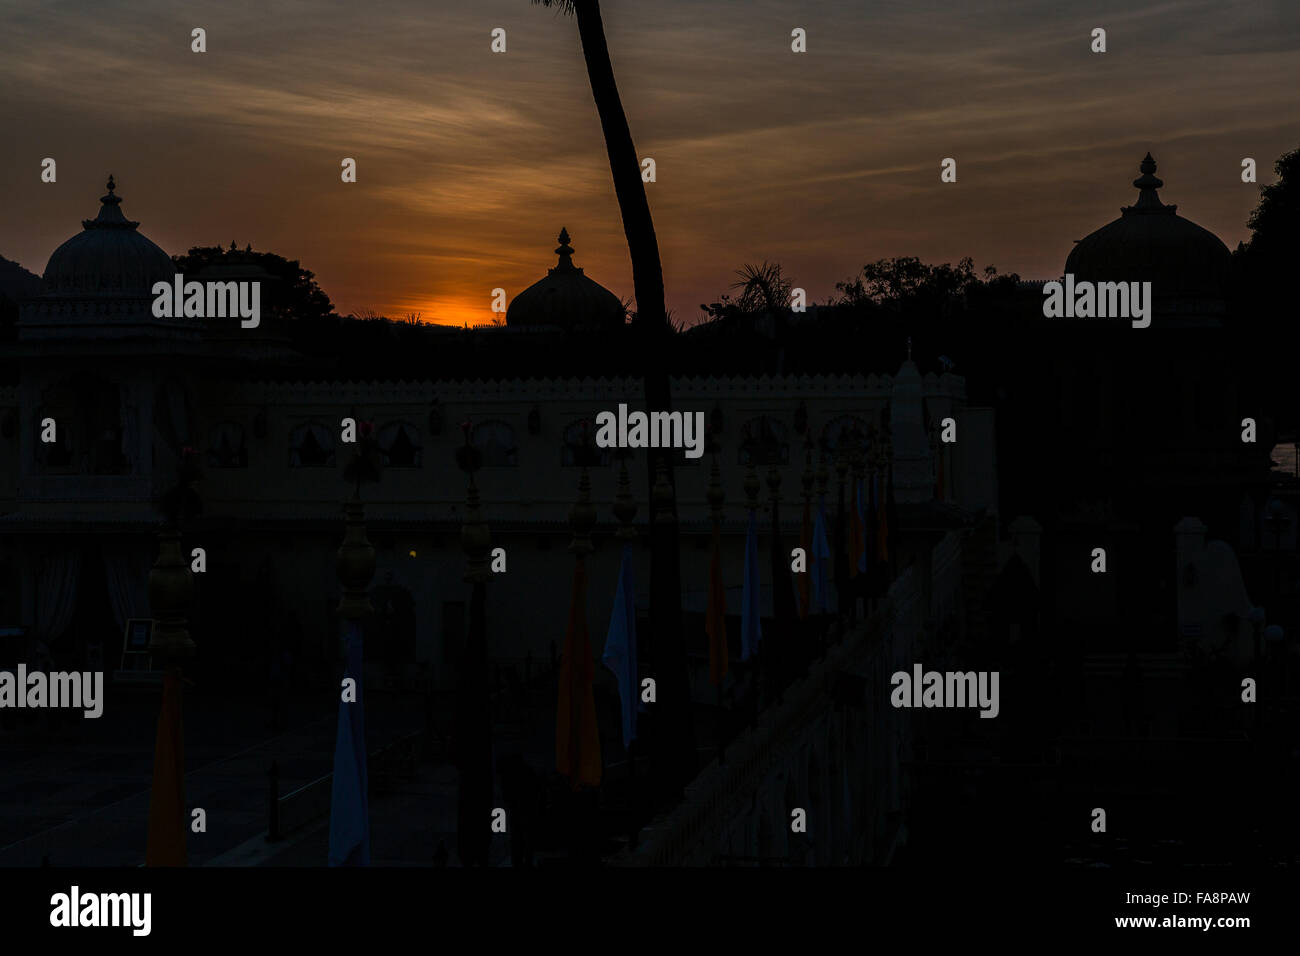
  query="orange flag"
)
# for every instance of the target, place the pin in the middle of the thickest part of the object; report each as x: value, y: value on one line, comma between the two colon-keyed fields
x: 577, y: 737
x: 715, y: 619
x: 166, y: 842
x: 805, y: 579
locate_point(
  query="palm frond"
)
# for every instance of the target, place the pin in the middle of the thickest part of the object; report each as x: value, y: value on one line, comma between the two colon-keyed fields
x: 561, y: 6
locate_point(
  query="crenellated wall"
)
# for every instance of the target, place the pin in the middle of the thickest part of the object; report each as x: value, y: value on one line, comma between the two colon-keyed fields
x: 271, y: 510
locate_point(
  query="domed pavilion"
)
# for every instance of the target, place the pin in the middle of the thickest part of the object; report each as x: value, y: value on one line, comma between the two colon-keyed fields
x: 1186, y: 264
x: 566, y: 299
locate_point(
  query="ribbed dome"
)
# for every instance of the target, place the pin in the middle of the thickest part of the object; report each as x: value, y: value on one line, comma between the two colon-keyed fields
x: 566, y: 298
x: 1186, y: 265
x: 109, y: 256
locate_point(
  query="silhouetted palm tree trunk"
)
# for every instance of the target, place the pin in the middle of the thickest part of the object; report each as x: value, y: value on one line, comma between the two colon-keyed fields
x: 674, y: 737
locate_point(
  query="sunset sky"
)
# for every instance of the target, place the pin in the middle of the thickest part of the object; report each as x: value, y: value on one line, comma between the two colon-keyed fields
x: 469, y: 162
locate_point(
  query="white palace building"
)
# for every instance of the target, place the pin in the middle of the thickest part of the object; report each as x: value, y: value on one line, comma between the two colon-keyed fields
x: 129, y: 392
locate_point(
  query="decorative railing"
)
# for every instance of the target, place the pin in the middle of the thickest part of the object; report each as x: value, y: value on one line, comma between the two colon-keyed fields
x: 695, y: 831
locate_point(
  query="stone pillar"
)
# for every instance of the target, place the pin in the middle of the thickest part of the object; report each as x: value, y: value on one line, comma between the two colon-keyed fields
x: 355, y: 564
x: 171, y: 587
x: 913, y: 464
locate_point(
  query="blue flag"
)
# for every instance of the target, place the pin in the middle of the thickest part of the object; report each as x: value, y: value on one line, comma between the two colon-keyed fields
x: 751, y: 628
x: 350, y: 801
x: 620, y: 645
x: 821, y: 554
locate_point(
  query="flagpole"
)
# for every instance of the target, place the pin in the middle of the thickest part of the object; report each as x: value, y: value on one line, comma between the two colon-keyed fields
x: 806, y: 542
x: 891, y: 513
x: 823, y: 579
x: 473, y: 698
x: 805, y: 536
x: 577, y: 734
x: 751, y: 617
x: 858, y: 576
x: 715, y: 619
x: 782, y: 596
x: 840, y: 546
x: 872, y: 454
x: 621, y: 654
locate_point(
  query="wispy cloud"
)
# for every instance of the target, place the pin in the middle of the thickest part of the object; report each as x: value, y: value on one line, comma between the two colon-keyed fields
x: 470, y: 162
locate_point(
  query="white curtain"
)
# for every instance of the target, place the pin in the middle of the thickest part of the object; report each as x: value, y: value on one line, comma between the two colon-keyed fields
x: 56, y: 595
x: 126, y: 574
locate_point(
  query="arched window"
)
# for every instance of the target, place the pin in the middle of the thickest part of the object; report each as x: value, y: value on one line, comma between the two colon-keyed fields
x: 400, y: 444
x: 846, y: 428
x: 580, y: 446
x: 92, y: 434
x: 227, y: 447
x: 763, y: 442
x: 311, y: 445
x: 496, y: 441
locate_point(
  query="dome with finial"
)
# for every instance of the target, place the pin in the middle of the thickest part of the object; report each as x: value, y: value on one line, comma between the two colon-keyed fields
x: 109, y: 256
x: 566, y: 298
x: 1186, y: 264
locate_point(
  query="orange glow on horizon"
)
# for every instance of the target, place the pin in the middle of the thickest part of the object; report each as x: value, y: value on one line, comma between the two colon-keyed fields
x: 449, y: 311
x: 474, y: 162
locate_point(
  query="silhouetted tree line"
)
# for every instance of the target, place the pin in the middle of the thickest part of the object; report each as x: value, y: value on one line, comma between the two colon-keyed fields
x: 957, y: 317
x: 292, y: 293
x: 16, y: 284
x: 1264, y: 303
